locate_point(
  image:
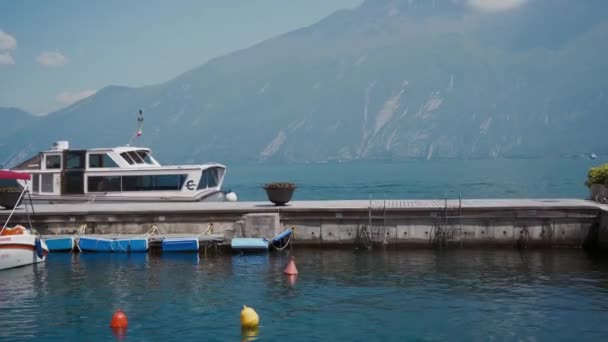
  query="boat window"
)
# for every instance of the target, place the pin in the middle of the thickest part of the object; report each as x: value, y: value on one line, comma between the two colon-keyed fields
x: 72, y: 182
x: 75, y: 160
x: 9, y: 183
x: 210, y: 178
x: 35, y: 182
x: 101, y: 160
x: 153, y: 183
x: 136, y: 158
x: 145, y: 156
x: 127, y: 158
x: 53, y: 162
x: 47, y: 182
x: 103, y: 183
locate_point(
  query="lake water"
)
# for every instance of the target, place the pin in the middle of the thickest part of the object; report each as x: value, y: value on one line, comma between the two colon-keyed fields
x: 502, y: 178
x: 422, y: 295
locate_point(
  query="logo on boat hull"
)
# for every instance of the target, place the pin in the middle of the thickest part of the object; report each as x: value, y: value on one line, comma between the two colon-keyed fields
x: 190, y: 185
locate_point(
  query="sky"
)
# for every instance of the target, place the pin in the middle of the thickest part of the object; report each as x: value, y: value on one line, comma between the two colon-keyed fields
x: 53, y: 53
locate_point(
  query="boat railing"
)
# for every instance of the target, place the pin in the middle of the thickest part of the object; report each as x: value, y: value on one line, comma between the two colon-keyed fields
x: 27, y: 211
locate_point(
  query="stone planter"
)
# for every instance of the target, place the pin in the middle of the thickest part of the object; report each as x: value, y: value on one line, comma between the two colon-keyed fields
x: 598, y: 191
x: 8, y: 200
x: 279, y: 193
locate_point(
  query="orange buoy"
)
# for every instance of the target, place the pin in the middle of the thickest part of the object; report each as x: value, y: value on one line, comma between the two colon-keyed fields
x: 291, y: 269
x: 119, y: 320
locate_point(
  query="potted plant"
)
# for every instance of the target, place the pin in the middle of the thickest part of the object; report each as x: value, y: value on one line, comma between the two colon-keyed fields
x: 279, y: 193
x: 597, y: 181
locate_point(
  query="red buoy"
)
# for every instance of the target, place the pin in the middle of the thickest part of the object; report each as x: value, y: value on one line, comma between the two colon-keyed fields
x: 291, y: 269
x: 119, y: 320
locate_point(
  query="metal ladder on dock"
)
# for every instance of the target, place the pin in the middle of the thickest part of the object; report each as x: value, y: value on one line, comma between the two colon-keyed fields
x: 448, y: 229
x: 374, y: 233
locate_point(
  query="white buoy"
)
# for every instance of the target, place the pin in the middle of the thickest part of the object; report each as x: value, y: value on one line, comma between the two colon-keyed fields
x: 231, y: 197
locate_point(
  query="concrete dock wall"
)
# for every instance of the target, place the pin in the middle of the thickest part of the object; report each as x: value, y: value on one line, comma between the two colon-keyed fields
x: 523, y: 228
x: 603, y: 231
x: 521, y: 223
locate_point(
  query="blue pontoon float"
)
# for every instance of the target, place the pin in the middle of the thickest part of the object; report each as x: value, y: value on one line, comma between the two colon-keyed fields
x: 186, y: 244
x: 123, y: 245
x: 254, y: 245
x: 61, y: 244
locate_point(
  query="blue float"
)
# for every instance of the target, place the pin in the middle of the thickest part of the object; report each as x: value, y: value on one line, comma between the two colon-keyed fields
x: 95, y: 244
x: 249, y: 245
x: 62, y: 244
x: 130, y: 245
x: 180, y: 244
x: 126, y: 245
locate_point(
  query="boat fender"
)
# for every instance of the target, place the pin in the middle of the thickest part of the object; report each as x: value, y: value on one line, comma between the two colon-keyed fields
x: 39, y: 250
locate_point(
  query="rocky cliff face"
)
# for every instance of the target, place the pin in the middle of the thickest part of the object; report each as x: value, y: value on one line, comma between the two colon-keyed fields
x: 390, y: 79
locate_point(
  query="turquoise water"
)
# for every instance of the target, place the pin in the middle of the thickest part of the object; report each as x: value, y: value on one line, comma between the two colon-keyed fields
x: 502, y: 178
x: 422, y: 295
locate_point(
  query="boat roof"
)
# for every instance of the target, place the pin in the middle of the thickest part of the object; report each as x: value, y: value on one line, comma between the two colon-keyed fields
x: 119, y: 149
x: 122, y: 149
x: 7, y: 174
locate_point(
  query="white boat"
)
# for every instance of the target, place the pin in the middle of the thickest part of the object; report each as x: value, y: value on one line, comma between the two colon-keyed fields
x: 117, y: 174
x: 19, y: 246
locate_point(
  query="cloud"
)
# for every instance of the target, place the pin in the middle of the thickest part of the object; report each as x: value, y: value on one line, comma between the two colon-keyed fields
x: 7, y: 42
x: 495, y: 5
x: 6, y: 59
x: 52, y: 59
x: 69, y: 97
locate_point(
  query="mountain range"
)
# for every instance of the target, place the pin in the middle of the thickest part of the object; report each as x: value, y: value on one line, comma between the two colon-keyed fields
x: 390, y: 79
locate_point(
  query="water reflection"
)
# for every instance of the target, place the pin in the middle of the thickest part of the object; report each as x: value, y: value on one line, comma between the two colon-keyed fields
x: 249, y: 334
x: 424, y: 294
x: 179, y: 258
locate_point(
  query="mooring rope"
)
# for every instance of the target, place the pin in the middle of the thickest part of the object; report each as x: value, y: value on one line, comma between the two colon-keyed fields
x: 209, y: 231
x: 79, y: 233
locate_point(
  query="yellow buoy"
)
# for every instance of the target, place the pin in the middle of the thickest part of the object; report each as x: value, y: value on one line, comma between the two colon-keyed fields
x: 249, y: 318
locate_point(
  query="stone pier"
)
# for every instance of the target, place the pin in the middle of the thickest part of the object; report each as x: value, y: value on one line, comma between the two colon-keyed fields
x: 394, y: 223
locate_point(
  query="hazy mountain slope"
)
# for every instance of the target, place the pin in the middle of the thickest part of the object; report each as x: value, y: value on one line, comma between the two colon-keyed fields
x: 14, y: 123
x: 391, y: 79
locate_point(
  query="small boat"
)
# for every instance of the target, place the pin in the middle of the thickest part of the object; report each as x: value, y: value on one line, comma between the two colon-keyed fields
x: 187, y: 244
x: 249, y: 245
x: 133, y: 245
x: 95, y: 244
x: 19, y: 246
x: 119, y: 245
x: 279, y: 242
x: 60, y: 244
x: 593, y: 156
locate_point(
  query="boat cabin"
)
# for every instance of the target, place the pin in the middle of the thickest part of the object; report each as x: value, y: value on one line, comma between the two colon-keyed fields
x: 120, y: 170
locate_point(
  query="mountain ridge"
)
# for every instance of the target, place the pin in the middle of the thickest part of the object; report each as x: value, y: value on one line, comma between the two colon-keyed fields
x: 374, y: 82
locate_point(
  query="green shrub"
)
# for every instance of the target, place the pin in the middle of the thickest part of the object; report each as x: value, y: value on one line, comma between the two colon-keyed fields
x: 597, y: 175
x: 279, y: 185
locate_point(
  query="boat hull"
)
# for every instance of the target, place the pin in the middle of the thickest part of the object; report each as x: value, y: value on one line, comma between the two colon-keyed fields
x: 137, y: 245
x: 103, y: 245
x: 64, y: 244
x: 20, y: 250
x: 91, y: 244
x: 252, y: 245
x: 180, y: 245
x: 212, y: 196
